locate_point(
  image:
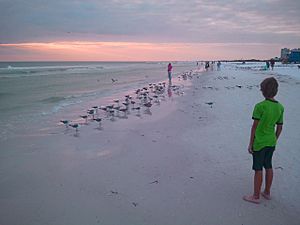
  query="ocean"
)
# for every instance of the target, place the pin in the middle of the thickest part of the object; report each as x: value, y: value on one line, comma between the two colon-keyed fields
x: 36, y: 94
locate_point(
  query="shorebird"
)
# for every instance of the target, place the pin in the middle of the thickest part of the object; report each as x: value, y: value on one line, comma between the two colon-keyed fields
x: 156, y: 99
x: 126, y: 105
x: 112, y: 114
x: 138, y: 110
x: 103, y: 108
x: 209, y: 103
x: 117, y: 101
x: 96, y: 109
x: 148, y: 104
x: 109, y: 109
x: 75, y: 126
x: 116, y: 108
x: 91, y: 112
x: 109, y: 106
x: 85, y: 117
x: 99, y: 121
x: 124, y: 110
x: 65, y: 122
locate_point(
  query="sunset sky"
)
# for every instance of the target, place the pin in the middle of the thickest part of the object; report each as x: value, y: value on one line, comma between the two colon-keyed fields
x: 140, y: 30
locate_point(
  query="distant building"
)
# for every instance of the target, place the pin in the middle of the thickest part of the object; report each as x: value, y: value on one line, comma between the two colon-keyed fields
x: 294, y: 56
x: 285, y: 52
x: 290, y: 56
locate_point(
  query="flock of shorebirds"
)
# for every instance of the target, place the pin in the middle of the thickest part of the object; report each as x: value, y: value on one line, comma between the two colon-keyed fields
x: 141, y: 101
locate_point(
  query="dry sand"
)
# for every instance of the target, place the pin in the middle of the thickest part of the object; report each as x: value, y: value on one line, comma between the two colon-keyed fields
x: 185, y: 164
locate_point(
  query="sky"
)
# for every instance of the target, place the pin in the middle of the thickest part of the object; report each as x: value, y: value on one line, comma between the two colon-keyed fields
x: 152, y: 30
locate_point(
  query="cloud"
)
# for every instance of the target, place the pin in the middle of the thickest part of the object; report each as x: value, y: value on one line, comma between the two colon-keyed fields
x: 156, y: 21
x: 198, y: 23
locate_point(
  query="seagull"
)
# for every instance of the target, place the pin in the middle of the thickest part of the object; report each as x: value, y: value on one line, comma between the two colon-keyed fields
x: 112, y: 114
x: 96, y: 109
x: 99, y: 121
x: 124, y: 110
x: 148, y: 104
x: 114, y: 80
x: 209, y: 103
x: 75, y: 126
x: 138, y: 110
x: 91, y: 112
x: 65, y: 122
x: 117, y: 101
x: 84, y: 117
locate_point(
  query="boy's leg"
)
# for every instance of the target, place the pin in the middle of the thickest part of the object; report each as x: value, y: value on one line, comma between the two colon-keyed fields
x: 269, y: 179
x: 258, y: 162
x: 257, y: 183
x: 269, y: 171
x: 257, y: 166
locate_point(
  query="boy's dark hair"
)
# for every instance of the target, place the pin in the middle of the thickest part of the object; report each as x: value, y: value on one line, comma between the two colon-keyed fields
x: 269, y: 87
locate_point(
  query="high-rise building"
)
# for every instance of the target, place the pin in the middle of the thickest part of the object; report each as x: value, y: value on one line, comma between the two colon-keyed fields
x: 294, y: 56
x: 285, y: 52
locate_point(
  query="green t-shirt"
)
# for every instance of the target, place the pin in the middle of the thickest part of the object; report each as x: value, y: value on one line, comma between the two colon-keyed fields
x: 269, y: 113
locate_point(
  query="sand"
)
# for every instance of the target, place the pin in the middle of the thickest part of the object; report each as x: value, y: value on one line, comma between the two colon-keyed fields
x: 187, y: 163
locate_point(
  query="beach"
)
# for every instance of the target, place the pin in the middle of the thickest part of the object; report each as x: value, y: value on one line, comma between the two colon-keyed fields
x: 186, y: 162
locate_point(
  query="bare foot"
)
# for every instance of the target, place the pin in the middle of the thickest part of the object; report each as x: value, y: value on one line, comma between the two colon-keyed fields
x: 251, y: 198
x: 266, y: 196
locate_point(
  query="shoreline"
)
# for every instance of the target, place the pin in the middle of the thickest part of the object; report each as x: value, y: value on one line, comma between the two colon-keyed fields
x: 53, y: 107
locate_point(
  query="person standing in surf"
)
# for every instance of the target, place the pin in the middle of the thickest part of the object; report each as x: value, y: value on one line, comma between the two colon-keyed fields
x: 263, y: 139
x: 170, y: 72
x: 272, y: 62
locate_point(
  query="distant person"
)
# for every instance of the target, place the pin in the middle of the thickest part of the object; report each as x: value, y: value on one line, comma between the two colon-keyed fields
x: 267, y: 65
x: 170, y: 72
x: 219, y: 65
x: 263, y: 138
x: 206, y: 65
x: 272, y: 62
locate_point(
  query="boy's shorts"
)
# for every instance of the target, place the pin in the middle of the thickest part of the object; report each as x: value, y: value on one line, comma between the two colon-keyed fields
x: 263, y: 158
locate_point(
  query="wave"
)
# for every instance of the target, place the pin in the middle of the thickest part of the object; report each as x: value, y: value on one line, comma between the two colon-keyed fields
x: 12, y: 71
x: 53, y: 99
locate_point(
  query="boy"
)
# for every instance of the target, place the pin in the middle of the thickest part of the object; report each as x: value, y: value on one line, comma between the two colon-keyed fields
x: 266, y: 115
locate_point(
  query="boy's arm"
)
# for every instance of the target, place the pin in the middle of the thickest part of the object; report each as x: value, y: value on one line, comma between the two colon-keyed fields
x: 252, y: 135
x: 278, y: 130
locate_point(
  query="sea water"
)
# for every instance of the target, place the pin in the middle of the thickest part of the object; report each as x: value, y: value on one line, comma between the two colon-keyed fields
x: 31, y: 93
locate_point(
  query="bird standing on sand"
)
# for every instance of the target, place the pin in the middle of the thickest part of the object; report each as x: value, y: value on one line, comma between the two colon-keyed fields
x: 209, y: 103
x: 85, y: 117
x: 75, y: 126
x: 99, y: 121
x: 91, y: 112
x: 65, y: 122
